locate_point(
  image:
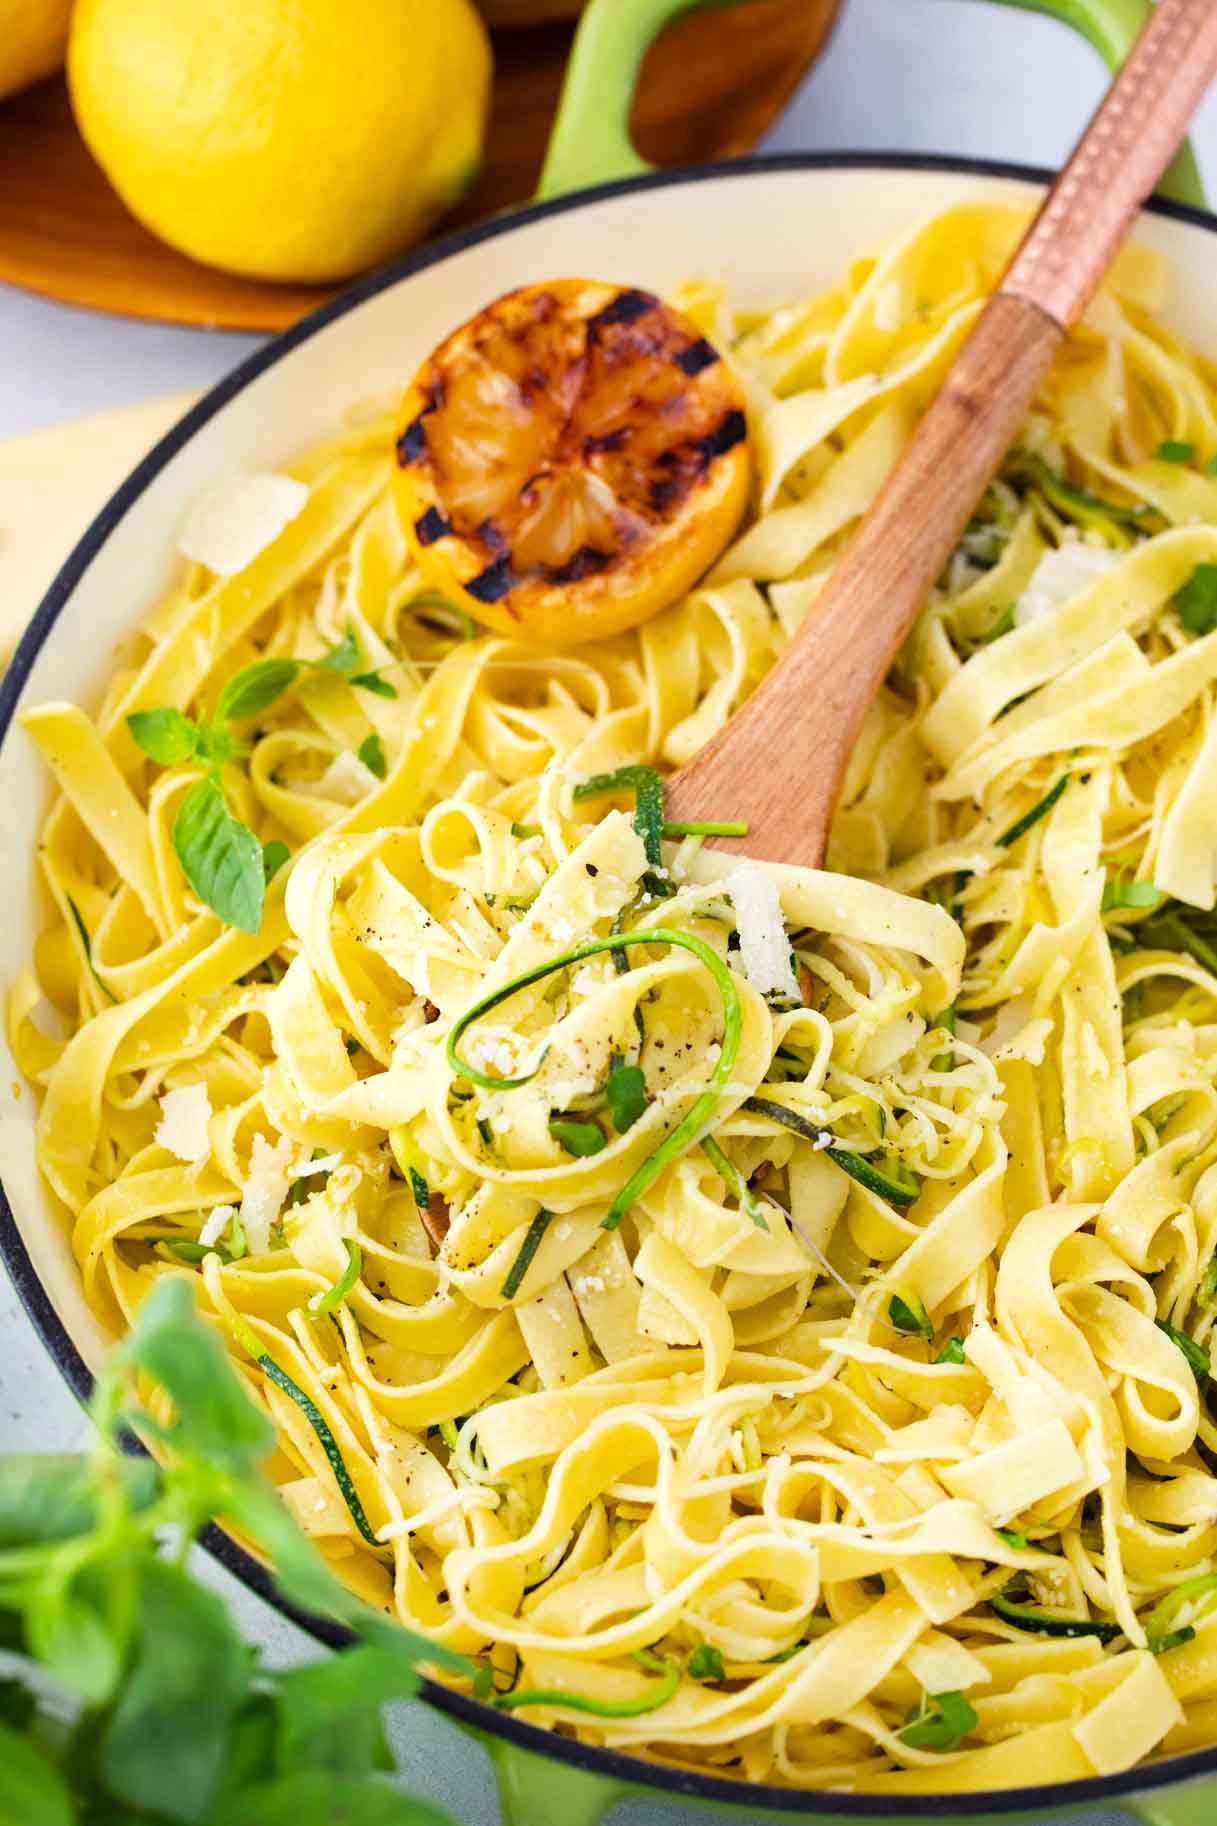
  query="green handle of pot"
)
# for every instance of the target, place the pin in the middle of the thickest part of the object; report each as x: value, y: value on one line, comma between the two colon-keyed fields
x: 1112, y: 27
x: 539, y: 1790
x: 1195, y: 1805
x: 590, y: 142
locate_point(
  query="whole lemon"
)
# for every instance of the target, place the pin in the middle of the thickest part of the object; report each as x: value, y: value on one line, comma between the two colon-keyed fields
x: 32, y: 36
x: 283, y: 139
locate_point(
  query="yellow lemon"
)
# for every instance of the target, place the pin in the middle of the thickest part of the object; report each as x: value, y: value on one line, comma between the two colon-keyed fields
x: 283, y: 139
x: 33, y: 34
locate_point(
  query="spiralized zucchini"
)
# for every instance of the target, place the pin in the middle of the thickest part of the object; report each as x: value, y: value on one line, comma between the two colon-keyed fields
x: 809, y: 1385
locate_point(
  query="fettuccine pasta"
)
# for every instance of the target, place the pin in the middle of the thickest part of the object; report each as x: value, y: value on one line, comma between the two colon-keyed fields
x: 762, y: 1314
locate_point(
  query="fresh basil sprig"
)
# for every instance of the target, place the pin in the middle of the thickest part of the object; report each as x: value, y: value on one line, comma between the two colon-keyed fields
x: 128, y: 1694
x: 220, y: 856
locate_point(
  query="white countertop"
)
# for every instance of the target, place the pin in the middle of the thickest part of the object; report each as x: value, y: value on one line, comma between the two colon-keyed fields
x: 926, y: 75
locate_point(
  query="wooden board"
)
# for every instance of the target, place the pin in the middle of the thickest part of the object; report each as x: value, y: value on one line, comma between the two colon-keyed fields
x: 710, y: 88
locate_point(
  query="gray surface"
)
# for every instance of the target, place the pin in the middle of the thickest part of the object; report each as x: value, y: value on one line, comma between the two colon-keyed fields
x: 931, y: 75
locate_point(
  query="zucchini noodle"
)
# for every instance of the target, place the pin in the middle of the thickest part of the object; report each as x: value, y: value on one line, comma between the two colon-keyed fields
x: 769, y: 1314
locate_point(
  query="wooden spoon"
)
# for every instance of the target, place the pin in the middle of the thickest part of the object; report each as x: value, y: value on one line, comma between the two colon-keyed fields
x: 780, y: 760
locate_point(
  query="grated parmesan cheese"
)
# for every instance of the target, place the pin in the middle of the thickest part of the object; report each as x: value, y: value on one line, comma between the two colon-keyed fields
x: 265, y: 1190
x: 216, y: 1224
x: 238, y: 517
x: 764, y: 946
x: 1059, y: 576
x: 183, y: 1127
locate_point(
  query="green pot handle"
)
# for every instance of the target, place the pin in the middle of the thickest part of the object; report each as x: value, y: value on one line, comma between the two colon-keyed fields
x: 1112, y: 26
x: 590, y: 142
x: 1194, y: 1805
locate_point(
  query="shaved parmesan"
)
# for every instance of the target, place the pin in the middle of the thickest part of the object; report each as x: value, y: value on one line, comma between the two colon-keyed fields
x: 238, y: 517
x: 216, y: 1223
x: 183, y: 1127
x: 1060, y: 575
x: 346, y: 779
x: 764, y: 946
x: 265, y: 1190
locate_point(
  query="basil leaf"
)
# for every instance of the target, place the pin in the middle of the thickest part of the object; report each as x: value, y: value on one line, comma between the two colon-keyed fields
x: 910, y: 1316
x: 220, y: 857
x: 256, y: 687
x: 346, y: 658
x: 329, y: 1712
x: 372, y: 754
x: 578, y: 1138
x: 372, y: 681
x: 1174, y: 450
x: 166, y: 735
x: 1120, y: 893
x: 274, y: 855
x: 216, y: 1421
x: 626, y: 1093
x: 68, y: 1635
x: 705, y: 1663
x: 1196, y: 602
x: 163, y: 1745
x: 942, y: 1723
x: 312, y: 1797
x: 1198, y: 1360
x: 32, y: 1791
x: 51, y: 1496
x: 17, y: 1704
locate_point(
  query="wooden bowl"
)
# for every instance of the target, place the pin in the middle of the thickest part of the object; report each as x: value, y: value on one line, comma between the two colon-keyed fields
x: 709, y: 89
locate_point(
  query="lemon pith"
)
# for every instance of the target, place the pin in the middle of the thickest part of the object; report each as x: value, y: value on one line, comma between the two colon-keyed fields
x: 571, y: 460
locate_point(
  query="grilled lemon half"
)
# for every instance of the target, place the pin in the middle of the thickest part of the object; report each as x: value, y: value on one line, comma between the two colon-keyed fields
x: 571, y: 460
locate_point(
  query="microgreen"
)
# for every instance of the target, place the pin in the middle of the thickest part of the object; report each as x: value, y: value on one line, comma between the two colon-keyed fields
x: 581, y: 1139
x: 1120, y: 893
x: 372, y: 754
x: 910, y: 1316
x: 626, y: 1094
x: 952, y: 1352
x: 1175, y: 450
x: 705, y: 1663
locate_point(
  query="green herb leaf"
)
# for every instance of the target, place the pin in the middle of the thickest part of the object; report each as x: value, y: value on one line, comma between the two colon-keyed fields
x: 256, y: 687
x: 220, y: 857
x: 163, y: 1745
x: 581, y: 1139
x: 1022, y: 825
x: 1206, y: 1292
x: 942, y: 1723
x: 17, y: 1707
x: 1174, y: 450
x: 953, y: 1352
x: 67, y: 1632
x: 626, y: 1092
x: 372, y: 681
x: 274, y: 855
x: 314, y: 1797
x: 1198, y: 1360
x: 705, y: 1663
x: 166, y: 735
x: 1196, y: 602
x: 525, y: 830
x: 329, y: 1712
x: 1014, y: 1537
x: 1003, y: 625
x: 346, y: 658
x: 528, y: 1249
x: 52, y: 1496
x: 32, y: 1791
x: 910, y: 1316
x: 372, y: 754
x: 1119, y: 893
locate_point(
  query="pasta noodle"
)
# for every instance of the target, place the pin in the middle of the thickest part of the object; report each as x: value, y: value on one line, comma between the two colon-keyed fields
x: 791, y: 1369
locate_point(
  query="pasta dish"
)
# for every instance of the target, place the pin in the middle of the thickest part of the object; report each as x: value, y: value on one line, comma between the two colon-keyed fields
x: 761, y: 1314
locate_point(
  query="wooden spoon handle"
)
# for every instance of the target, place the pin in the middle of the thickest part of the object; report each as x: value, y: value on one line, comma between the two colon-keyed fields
x: 779, y: 761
